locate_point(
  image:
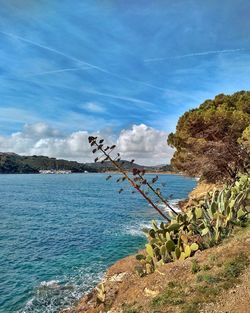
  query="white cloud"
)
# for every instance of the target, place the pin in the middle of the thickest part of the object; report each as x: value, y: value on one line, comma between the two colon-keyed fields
x: 94, y: 107
x: 143, y: 143
x: 40, y: 130
x: 73, y: 147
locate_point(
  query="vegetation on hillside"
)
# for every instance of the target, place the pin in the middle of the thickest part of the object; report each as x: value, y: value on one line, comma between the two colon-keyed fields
x: 244, y: 140
x: 203, y: 225
x: 11, y: 163
x: 213, y: 141
x: 214, y: 280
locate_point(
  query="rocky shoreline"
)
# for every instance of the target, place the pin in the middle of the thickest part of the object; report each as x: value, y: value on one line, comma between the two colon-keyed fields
x: 122, y: 273
x: 126, y: 292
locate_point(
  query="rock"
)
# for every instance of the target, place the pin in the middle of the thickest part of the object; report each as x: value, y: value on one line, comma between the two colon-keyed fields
x: 247, y: 240
x: 114, y: 311
x: 118, y: 277
x: 150, y: 293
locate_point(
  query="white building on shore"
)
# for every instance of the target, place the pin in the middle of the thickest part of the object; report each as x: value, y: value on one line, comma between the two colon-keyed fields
x: 55, y: 172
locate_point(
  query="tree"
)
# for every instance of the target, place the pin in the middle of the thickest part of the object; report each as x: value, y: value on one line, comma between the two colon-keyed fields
x: 245, y: 140
x: 208, y: 140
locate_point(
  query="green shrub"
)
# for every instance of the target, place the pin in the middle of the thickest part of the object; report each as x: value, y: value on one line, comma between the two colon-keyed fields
x: 195, y: 267
x: 235, y: 267
x: 169, y: 296
x: 210, y: 279
x: 202, y: 226
x: 206, y: 267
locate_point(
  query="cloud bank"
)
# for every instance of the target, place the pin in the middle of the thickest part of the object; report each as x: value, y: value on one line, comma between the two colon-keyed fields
x: 140, y: 142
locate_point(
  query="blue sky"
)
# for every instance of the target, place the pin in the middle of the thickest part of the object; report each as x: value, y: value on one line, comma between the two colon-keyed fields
x: 108, y: 65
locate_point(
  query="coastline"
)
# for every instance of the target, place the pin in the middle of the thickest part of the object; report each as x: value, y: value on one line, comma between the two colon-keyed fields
x: 72, y: 284
x: 104, y: 172
x: 114, y: 275
x: 148, y: 172
x: 124, y: 291
x: 123, y: 270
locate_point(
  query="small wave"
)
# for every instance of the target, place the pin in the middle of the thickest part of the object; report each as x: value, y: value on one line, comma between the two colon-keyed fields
x: 50, y: 283
x: 173, y: 203
x: 53, y: 295
x: 30, y: 302
x: 136, y: 230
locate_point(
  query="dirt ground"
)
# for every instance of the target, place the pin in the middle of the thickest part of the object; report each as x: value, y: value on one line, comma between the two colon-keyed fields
x: 216, y: 280
x: 236, y: 300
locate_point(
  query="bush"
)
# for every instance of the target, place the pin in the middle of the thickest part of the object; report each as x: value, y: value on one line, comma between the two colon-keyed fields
x: 202, y: 226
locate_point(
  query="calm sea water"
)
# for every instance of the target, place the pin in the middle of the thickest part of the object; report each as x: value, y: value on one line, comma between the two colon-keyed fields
x: 59, y: 233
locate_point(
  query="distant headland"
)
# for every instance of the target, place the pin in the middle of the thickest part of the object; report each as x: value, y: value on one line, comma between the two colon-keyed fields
x: 12, y: 163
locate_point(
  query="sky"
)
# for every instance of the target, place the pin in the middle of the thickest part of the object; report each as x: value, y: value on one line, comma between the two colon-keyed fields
x: 124, y: 70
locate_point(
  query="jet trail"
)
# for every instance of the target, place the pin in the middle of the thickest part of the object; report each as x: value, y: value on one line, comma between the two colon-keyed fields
x: 59, y: 71
x: 78, y: 61
x: 139, y: 102
x: 55, y: 51
x: 196, y: 54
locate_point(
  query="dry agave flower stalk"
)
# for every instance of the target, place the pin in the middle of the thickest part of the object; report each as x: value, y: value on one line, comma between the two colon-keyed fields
x: 138, y: 180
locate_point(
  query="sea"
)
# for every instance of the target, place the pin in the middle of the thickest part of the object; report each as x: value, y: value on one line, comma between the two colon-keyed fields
x: 59, y: 233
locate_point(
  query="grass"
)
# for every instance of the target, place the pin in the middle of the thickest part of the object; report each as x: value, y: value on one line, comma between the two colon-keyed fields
x: 235, y: 267
x: 173, y: 284
x: 211, y: 280
x: 169, y: 296
x: 207, y: 291
x: 172, y: 295
x: 195, y: 267
x: 212, y: 258
x: 201, y: 294
x: 206, y: 267
x: 190, y: 308
x: 129, y: 309
x: 232, y: 270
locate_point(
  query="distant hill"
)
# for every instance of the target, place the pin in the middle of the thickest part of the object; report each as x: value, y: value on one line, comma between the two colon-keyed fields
x: 108, y: 166
x: 11, y: 163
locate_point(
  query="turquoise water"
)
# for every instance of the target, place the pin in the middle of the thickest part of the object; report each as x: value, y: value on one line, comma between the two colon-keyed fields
x: 58, y: 234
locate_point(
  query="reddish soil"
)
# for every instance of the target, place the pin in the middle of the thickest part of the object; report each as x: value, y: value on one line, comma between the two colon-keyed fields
x: 126, y: 292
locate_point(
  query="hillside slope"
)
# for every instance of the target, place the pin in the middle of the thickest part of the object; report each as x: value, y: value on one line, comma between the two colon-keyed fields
x: 214, y: 280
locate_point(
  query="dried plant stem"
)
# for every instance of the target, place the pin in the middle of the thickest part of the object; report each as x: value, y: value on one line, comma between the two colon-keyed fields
x: 159, y: 196
x: 133, y: 184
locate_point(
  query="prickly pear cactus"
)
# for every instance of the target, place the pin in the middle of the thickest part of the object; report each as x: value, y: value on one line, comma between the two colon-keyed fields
x: 202, y: 226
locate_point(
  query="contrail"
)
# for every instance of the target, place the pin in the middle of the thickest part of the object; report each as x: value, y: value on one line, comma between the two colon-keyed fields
x: 59, y: 71
x: 78, y: 61
x: 55, y: 51
x: 86, y: 68
x: 139, y: 102
x: 196, y: 54
x: 137, y: 81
